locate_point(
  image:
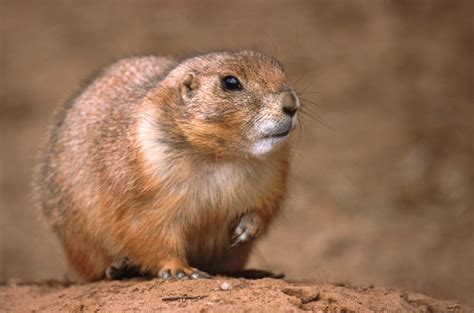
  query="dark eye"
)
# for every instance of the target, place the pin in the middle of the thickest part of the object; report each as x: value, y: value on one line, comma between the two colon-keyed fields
x: 231, y: 83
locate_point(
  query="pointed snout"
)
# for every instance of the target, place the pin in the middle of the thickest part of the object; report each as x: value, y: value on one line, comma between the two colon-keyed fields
x: 290, y: 102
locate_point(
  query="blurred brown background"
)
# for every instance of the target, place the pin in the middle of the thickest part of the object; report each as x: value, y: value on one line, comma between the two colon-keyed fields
x: 382, y: 186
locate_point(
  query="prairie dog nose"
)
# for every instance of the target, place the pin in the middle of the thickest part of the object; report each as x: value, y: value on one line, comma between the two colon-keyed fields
x: 289, y: 102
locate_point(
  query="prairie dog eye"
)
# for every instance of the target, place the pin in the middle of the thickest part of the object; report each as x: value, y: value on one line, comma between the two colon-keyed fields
x: 231, y: 83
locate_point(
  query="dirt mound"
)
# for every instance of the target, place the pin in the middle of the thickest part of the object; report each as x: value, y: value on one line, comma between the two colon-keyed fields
x: 215, y: 295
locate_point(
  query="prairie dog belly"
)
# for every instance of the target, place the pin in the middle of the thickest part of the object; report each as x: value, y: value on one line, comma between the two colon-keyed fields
x: 211, y: 202
x: 217, y: 198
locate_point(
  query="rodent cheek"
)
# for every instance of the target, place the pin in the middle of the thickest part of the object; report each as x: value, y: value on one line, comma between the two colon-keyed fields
x: 203, y: 110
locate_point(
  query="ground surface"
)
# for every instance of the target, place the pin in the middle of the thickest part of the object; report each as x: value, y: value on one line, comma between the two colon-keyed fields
x: 216, y: 295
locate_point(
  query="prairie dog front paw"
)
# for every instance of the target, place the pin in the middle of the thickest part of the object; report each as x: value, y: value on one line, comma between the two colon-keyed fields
x: 247, y: 229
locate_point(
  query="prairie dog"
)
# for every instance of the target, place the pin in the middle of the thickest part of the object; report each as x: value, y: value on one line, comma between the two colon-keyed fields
x: 169, y: 167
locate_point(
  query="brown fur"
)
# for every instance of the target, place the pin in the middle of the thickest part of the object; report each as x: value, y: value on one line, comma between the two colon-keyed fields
x: 151, y: 162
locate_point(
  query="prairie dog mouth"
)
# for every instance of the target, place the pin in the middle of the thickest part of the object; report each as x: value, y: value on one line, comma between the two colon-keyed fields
x: 272, y: 139
x: 279, y: 135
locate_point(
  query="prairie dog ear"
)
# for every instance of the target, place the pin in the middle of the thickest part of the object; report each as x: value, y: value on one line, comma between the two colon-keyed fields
x: 189, y: 85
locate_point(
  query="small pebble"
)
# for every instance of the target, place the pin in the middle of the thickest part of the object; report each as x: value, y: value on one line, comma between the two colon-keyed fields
x: 226, y: 286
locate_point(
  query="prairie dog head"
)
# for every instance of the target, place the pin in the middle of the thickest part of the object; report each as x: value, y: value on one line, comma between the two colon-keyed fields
x: 235, y: 103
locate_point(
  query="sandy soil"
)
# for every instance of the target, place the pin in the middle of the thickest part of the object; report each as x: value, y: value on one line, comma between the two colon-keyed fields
x: 216, y: 295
